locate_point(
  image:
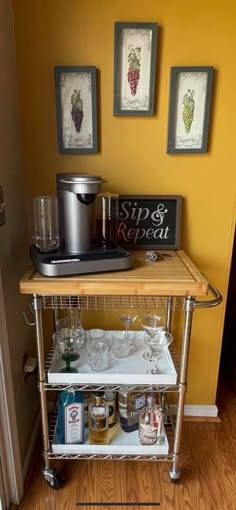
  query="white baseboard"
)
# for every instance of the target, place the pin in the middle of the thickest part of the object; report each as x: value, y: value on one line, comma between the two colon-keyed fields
x: 205, y: 411
x: 30, y: 451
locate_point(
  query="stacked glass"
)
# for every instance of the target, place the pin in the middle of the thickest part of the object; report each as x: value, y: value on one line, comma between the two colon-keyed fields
x: 97, y: 348
x: 156, y: 338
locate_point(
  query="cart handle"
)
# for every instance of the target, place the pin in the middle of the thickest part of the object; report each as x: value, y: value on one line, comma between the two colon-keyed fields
x: 214, y: 302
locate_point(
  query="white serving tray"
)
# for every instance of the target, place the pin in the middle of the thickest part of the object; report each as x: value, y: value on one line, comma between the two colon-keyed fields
x: 120, y: 443
x: 125, y: 371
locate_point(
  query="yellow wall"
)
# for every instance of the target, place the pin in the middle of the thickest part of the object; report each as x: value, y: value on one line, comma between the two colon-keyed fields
x: 133, y: 150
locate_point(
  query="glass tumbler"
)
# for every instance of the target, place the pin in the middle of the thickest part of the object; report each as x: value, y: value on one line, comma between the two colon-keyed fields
x: 95, y: 336
x: 107, y: 218
x: 98, y: 356
x: 46, y: 223
x: 120, y: 344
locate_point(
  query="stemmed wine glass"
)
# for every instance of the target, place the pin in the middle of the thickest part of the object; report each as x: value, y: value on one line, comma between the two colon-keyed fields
x: 158, y: 344
x: 128, y: 316
x: 151, y: 323
x: 69, y: 342
x: 69, y: 337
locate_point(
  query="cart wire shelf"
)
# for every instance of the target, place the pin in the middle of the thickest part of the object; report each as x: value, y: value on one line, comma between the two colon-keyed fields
x: 114, y: 387
x: 112, y: 302
x: 169, y: 421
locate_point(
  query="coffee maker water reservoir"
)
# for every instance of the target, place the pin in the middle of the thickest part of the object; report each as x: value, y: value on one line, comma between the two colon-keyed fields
x: 77, y: 194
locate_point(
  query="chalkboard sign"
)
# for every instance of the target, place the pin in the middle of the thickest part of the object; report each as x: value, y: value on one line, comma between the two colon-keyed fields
x: 150, y: 221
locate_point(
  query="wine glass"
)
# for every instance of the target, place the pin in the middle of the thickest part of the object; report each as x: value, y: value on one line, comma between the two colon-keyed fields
x: 70, y: 338
x: 158, y: 344
x: 151, y: 323
x: 128, y: 316
x: 68, y: 341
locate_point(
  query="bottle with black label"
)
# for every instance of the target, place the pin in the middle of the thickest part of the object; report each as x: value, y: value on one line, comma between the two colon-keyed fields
x: 98, y: 419
x: 110, y: 399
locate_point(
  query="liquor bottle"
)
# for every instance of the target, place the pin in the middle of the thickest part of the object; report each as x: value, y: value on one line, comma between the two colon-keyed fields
x: 130, y: 405
x: 110, y: 399
x: 98, y: 419
x: 70, y: 422
x: 150, y: 422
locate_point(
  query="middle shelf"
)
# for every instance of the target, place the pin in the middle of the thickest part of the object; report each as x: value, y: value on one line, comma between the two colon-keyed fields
x: 131, y: 370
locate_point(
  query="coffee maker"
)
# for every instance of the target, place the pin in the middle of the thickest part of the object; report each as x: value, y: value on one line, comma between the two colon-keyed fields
x: 79, y: 251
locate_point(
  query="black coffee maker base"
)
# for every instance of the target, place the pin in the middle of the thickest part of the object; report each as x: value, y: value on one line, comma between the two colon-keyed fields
x: 96, y: 260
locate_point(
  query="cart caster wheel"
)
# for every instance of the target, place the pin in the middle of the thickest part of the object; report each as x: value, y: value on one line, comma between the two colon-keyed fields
x: 174, y: 475
x: 53, y: 479
x: 173, y: 480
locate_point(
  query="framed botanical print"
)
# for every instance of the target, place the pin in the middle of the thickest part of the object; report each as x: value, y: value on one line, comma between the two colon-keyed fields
x: 76, y: 106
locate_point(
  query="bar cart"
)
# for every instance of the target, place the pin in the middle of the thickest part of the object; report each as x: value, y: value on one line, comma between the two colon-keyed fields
x: 171, y: 284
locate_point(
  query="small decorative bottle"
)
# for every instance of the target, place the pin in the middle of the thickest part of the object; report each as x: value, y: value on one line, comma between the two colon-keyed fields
x: 150, y: 422
x: 98, y: 419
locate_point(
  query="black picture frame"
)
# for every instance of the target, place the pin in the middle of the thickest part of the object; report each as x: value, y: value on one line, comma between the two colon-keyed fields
x: 76, y: 109
x: 150, y: 222
x: 135, y: 48
x: 189, y: 109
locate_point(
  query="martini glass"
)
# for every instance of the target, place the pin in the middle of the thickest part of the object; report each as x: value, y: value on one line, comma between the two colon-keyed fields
x: 151, y: 323
x: 158, y: 345
x: 128, y: 316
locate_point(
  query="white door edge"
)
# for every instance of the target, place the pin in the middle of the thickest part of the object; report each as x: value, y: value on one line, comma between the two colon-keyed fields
x: 11, y: 462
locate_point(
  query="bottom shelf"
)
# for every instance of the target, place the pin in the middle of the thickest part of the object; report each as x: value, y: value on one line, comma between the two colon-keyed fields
x: 121, y: 445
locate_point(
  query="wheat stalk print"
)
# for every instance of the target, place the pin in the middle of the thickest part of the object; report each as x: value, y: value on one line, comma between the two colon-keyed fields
x: 77, y: 113
x: 134, y: 64
x: 188, y: 110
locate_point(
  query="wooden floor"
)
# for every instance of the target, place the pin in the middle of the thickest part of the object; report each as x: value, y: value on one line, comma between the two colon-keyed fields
x: 208, y: 474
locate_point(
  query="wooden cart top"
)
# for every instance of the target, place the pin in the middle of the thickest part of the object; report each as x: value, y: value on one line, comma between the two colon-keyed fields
x: 175, y: 276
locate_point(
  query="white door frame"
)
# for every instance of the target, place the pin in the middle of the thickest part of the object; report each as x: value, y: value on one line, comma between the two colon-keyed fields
x: 10, y: 451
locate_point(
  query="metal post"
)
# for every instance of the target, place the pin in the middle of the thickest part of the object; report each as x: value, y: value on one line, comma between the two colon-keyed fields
x: 163, y: 396
x: 189, y: 307
x: 169, y: 314
x: 37, y: 307
x: 55, y: 317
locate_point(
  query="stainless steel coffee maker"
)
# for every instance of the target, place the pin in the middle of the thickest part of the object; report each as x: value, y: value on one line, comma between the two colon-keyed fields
x: 78, y: 252
x: 77, y: 194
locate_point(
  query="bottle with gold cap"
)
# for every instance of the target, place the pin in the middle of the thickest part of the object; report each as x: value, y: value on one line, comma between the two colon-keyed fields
x: 98, y: 419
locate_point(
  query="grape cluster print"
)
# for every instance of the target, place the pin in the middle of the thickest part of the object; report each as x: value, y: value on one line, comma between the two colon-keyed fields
x: 188, y: 110
x: 77, y: 113
x: 134, y: 64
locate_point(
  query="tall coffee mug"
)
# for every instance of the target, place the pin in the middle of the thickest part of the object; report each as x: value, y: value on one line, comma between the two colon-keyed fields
x: 107, y: 218
x: 46, y: 223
